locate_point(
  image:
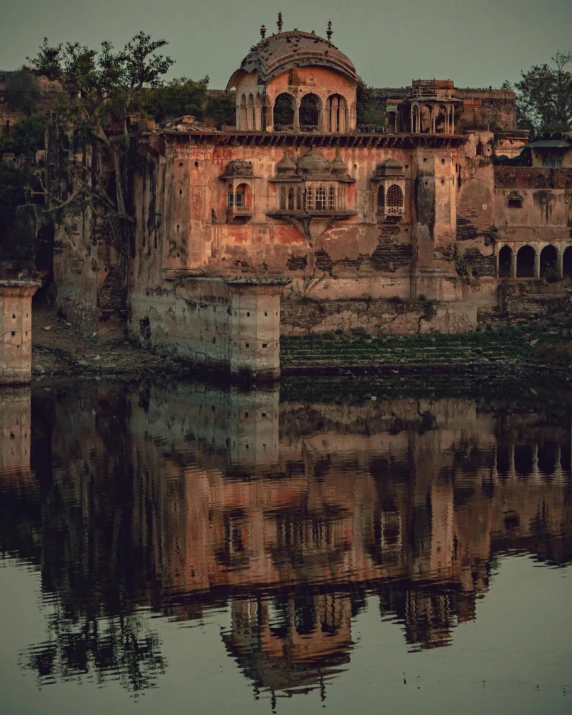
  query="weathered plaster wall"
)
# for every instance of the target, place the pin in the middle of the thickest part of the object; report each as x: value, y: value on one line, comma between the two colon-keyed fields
x: 235, y: 328
x: 476, y: 229
x: 182, y: 206
x: 379, y: 317
x: 545, y: 211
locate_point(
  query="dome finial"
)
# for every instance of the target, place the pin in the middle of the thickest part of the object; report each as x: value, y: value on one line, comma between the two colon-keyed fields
x: 330, y: 32
x: 263, y: 31
x: 280, y: 23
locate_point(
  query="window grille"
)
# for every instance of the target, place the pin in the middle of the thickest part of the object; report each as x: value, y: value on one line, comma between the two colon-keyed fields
x: 332, y: 199
x: 309, y: 199
x: 321, y: 199
x: 394, y: 200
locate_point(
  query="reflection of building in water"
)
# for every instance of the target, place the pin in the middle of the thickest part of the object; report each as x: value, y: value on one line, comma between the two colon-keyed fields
x: 15, y: 433
x: 186, y: 497
x: 293, y: 641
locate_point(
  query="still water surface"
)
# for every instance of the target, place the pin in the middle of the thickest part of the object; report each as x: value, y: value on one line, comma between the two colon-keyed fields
x: 187, y: 548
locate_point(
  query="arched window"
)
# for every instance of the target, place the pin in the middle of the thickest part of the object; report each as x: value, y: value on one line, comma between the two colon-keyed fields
x: 567, y: 262
x: 332, y: 199
x: 426, y: 119
x: 394, y: 200
x: 441, y: 120
x: 309, y: 113
x: 505, y: 262
x: 320, y: 199
x: 299, y: 200
x: 525, y: 262
x: 243, y: 196
x: 283, y: 112
x: 291, y: 199
x: 283, y: 198
x: 548, y: 262
x: 309, y: 199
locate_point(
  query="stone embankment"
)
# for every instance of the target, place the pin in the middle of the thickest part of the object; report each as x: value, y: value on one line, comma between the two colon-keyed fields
x: 530, y: 348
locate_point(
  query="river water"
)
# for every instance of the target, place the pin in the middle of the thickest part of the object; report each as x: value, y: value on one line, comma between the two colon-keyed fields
x: 188, y: 548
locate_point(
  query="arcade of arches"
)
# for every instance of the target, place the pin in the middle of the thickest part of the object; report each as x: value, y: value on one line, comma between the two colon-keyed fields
x: 529, y: 261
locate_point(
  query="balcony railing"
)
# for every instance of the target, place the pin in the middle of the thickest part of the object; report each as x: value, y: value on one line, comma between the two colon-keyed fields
x: 390, y: 211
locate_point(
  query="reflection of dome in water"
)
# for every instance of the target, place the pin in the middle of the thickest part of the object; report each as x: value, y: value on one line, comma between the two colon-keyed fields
x: 286, y: 50
x: 298, y: 650
x: 314, y: 162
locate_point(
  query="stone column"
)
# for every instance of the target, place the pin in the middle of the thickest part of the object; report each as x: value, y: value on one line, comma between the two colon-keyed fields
x: 513, y: 263
x: 560, y: 263
x: 296, y: 115
x: 537, y: 264
x: 16, y: 331
x: 255, y: 327
x: 334, y: 106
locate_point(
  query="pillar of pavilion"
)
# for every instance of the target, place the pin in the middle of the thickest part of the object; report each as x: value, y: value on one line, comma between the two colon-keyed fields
x: 16, y: 331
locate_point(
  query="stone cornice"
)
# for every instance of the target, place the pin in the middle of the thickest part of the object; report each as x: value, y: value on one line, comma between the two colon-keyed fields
x: 284, y: 139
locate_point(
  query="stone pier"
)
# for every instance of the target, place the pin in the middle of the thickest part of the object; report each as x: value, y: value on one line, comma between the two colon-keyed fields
x: 16, y: 331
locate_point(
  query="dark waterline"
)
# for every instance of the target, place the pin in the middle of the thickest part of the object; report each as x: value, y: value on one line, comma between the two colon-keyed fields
x: 346, y: 546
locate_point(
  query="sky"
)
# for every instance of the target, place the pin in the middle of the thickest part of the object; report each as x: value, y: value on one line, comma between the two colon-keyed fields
x: 476, y: 43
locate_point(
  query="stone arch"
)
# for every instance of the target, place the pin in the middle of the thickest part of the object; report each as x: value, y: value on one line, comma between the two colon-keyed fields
x: 291, y: 198
x: 441, y: 117
x: 283, y: 112
x: 242, y: 114
x: 567, y: 262
x: 548, y: 262
x: 525, y: 260
x: 299, y: 200
x: 283, y: 198
x: 426, y: 119
x: 505, y: 262
x: 310, y: 113
x: 337, y: 114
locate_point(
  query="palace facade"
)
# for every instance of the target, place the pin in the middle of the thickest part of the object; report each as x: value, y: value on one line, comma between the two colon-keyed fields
x: 299, y: 201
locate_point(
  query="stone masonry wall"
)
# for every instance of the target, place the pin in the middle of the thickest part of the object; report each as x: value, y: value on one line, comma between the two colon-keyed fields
x: 301, y: 317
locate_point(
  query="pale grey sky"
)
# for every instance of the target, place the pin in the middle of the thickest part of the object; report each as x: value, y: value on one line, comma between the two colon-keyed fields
x: 473, y: 42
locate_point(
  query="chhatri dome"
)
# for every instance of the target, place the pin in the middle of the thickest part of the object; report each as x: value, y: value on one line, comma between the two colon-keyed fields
x: 295, y: 81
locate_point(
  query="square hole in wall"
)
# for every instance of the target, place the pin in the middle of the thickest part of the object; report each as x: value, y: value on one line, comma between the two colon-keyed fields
x: 246, y: 345
x: 248, y: 315
x: 264, y: 345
